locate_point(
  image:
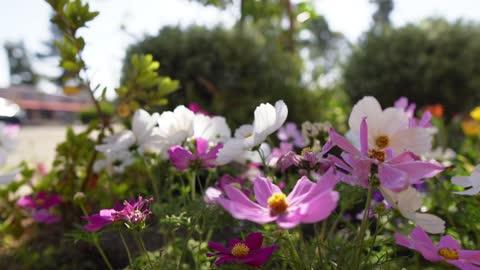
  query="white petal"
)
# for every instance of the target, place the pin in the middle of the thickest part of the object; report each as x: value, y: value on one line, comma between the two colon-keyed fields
x: 463, y: 181
x: 416, y: 140
x: 231, y: 150
x: 143, y: 124
x: 393, y: 120
x: 244, y: 131
x: 213, y: 129
x: 268, y: 119
x: 409, y: 200
x: 366, y: 107
x: 429, y: 223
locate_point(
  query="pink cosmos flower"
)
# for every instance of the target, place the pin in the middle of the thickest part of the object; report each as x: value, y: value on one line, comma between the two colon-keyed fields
x: 183, y: 159
x: 278, y: 152
x: 249, y: 251
x: 395, y: 172
x: 448, y: 249
x: 40, y: 205
x: 218, y: 190
x: 133, y: 213
x: 300, y: 206
x: 290, y: 133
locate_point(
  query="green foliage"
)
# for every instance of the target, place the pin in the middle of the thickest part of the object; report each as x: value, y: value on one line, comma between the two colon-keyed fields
x: 228, y: 72
x: 433, y: 62
x: 20, y: 68
x: 142, y: 85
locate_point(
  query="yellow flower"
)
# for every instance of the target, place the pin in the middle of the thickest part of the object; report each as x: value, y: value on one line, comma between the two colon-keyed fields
x: 475, y: 114
x: 471, y: 127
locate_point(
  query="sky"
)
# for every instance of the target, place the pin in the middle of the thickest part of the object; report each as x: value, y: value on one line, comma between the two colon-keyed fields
x: 28, y: 20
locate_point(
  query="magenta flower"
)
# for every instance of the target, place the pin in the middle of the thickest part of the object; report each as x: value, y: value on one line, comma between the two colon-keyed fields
x: 308, y: 160
x: 300, y: 206
x: 183, y: 159
x: 195, y: 107
x: 278, y: 152
x: 290, y: 133
x: 448, y: 249
x: 394, y: 172
x: 218, y: 190
x: 249, y: 251
x: 134, y: 214
x: 100, y: 220
x: 41, y: 200
x: 40, y: 206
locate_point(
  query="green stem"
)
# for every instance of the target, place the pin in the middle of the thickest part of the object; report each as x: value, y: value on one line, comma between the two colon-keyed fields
x: 363, y: 228
x: 294, y: 250
x: 100, y: 250
x: 193, y: 176
x: 150, y: 176
x: 126, y: 247
x: 142, y: 247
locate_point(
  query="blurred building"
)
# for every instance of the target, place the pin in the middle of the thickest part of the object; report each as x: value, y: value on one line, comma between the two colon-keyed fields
x: 37, y: 107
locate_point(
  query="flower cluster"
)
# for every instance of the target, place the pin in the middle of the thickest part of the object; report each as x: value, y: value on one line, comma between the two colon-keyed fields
x: 41, y: 206
x: 133, y: 214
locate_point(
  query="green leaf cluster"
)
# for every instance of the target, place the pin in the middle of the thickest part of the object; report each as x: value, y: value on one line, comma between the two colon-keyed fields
x: 142, y: 86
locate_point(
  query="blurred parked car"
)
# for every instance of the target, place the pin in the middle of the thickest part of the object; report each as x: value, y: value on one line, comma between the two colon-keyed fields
x: 10, y: 112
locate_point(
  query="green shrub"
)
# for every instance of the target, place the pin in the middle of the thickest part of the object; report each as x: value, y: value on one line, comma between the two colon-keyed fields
x: 433, y: 62
x: 228, y: 72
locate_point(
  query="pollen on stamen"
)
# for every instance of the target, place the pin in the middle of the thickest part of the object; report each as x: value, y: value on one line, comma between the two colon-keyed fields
x: 449, y: 254
x: 378, y: 155
x: 277, y: 203
x: 382, y: 141
x: 240, y: 250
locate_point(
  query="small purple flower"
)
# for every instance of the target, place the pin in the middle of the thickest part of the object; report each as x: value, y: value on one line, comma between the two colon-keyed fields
x: 249, y: 251
x: 278, y: 152
x: 402, y: 103
x: 183, y: 159
x: 218, y: 190
x: 40, y: 206
x: 300, y: 206
x: 133, y: 213
x: 447, y: 250
x: 290, y: 133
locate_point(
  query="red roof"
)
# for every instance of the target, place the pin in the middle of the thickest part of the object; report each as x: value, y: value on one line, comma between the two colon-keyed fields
x: 52, y: 105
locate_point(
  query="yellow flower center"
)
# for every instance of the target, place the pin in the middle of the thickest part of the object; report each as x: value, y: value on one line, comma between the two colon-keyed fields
x: 449, y: 254
x: 278, y: 203
x: 240, y: 250
x: 305, y: 150
x: 471, y: 128
x: 250, y: 134
x: 382, y: 141
x: 40, y: 201
x: 378, y: 155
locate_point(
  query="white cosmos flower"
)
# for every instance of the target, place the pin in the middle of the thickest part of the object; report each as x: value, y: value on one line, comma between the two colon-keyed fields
x: 408, y: 202
x: 177, y: 126
x: 213, y: 129
x: 267, y: 119
x: 140, y: 136
x: 472, y: 181
x: 174, y: 127
x: 114, y: 162
x: 389, y: 128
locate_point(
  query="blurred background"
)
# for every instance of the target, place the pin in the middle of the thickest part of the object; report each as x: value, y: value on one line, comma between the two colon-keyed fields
x: 229, y: 55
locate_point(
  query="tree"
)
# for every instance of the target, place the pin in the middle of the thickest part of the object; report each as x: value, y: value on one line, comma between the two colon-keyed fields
x: 21, y: 71
x: 229, y: 72
x: 432, y: 62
